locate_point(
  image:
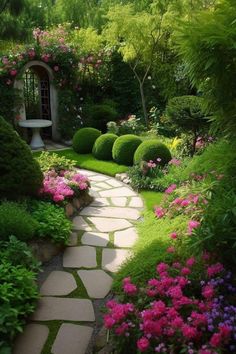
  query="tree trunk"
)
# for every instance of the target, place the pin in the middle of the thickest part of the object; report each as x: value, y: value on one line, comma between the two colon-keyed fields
x: 144, y: 104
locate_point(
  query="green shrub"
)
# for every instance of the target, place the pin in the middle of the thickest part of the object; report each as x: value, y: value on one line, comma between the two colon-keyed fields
x: 102, y: 148
x: 18, y: 295
x: 48, y: 161
x: 100, y: 114
x: 52, y: 222
x: 186, y: 114
x: 84, y: 139
x: 15, y: 220
x: 19, y: 172
x: 151, y: 150
x: 17, y: 252
x: 124, y: 149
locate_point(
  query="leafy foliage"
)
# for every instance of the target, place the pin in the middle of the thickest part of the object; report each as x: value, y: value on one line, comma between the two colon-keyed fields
x: 84, y: 139
x: 19, y: 172
x: 51, y: 161
x: 15, y: 220
x: 52, y: 222
x: 124, y: 149
x: 207, y: 45
x: 100, y: 114
x: 102, y: 148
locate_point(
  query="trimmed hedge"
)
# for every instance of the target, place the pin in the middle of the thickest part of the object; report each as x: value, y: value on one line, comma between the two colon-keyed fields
x: 102, y: 148
x: 20, y: 173
x: 151, y: 150
x: 124, y: 149
x: 84, y: 139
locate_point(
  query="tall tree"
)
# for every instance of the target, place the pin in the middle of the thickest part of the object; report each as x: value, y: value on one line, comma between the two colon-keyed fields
x: 13, y: 6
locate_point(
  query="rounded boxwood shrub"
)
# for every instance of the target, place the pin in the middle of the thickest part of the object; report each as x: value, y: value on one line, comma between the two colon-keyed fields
x: 151, y: 150
x: 100, y: 114
x: 84, y: 139
x: 124, y: 149
x: 15, y: 220
x: 102, y: 148
x: 20, y: 173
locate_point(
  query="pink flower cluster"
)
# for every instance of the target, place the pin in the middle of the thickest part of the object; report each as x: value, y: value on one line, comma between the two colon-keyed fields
x: 65, y: 185
x: 163, y: 317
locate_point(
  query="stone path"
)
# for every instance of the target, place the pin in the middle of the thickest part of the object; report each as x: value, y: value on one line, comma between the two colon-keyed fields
x: 102, y: 237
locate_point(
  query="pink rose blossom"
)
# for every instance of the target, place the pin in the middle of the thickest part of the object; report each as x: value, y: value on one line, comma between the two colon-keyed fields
x: 173, y: 235
x: 13, y: 72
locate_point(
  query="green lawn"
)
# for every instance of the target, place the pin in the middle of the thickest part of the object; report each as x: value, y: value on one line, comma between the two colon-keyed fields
x: 89, y: 162
x: 151, y: 198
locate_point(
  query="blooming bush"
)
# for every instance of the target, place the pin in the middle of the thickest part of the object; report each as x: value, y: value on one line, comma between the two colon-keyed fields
x: 63, y: 186
x: 174, y: 314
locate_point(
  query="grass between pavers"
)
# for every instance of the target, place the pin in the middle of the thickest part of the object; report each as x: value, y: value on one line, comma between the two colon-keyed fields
x: 150, y: 248
x: 89, y: 162
x: 54, y: 327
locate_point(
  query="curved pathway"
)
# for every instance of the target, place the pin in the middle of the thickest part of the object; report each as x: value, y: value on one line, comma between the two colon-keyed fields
x: 103, y: 234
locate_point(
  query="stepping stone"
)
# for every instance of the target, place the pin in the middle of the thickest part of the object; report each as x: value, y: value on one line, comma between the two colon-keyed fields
x: 113, y: 258
x: 121, y: 202
x: 73, y: 239
x: 103, y: 185
x: 95, y: 239
x: 87, y: 172
x: 78, y: 257
x: 100, y: 202
x: 114, y: 183
x: 80, y: 224
x: 32, y: 340
x: 98, y: 178
x: 58, y: 283
x: 66, y: 309
x: 109, y: 212
x: 136, y: 202
x: 110, y: 224
x: 118, y: 192
x: 95, y: 189
x: 97, y: 283
x: 125, y: 238
x: 72, y: 339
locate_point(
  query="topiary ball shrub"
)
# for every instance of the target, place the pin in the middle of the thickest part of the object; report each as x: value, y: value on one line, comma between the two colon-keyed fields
x: 100, y: 114
x: 15, y: 220
x: 84, y: 139
x: 102, y: 148
x: 124, y: 149
x: 151, y: 150
x: 20, y: 173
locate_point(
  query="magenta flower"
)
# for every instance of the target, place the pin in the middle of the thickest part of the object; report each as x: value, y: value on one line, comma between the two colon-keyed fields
x: 143, y: 344
x: 160, y: 212
x: 13, y: 72
x: 192, y: 224
x: 173, y: 235
x: 171, y: 188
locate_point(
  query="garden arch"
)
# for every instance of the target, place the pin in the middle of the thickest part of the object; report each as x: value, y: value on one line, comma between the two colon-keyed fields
x: 40, y: 67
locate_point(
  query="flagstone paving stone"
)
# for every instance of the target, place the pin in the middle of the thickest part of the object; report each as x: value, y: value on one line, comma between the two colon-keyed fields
x: 121, y: 202
x: 98, y: 178
x: 100, y: 202
x: 118, y: 192
x: 78, y: 257
x: 103, y: 185
x: 113, y: 258
x: 97, y: 282
x: 32, y: 340
x: 72, y: 339
x: 125, y: 238
x: 57, y: 308
x: 80, y: 224
x: 95, y: 239
x: 114, y: 183
x: 58, y: 283
x: 136, y: 202
x: 109, y: 224
x: 115, y: 212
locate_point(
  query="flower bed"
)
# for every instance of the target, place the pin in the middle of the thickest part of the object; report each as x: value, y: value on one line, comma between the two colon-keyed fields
x: 173, y: 314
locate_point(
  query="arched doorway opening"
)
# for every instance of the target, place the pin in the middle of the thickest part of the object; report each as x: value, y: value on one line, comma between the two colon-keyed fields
x: 39, y: 96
